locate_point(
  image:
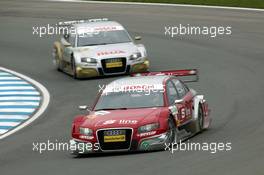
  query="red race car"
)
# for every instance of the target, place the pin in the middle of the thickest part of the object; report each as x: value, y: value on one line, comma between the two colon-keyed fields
x: 143, y: 112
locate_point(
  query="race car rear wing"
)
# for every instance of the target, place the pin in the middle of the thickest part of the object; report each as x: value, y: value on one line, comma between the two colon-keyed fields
x: 186, y: 75
x: 67, y: 23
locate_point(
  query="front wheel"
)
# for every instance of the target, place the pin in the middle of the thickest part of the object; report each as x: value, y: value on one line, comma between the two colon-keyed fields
x: 73, y: 65
x: 172, y: 132
x: 56, y: 60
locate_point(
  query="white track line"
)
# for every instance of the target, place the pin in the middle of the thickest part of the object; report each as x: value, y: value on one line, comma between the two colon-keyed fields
x: 18, y: 103
x: 160, y: 4
x: 12, y: 82
x: 10, y: 78
x: 41, y: 109
x: 9, y: 123
x: 4, y: 73
x: 19, y: 93
x: 17, y: 110
x: 2, y: 131
x: 19, y: 98
x: 15, y: 88
x: 22, y: 117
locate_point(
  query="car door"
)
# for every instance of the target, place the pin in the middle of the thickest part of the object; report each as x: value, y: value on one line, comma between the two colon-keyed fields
x: 173, y: 95
x: 185, y: 99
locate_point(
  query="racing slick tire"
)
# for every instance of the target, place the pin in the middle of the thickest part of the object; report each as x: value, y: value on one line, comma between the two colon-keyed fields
x: 196, y: 126
x: 200, y: 118
x: 74, y: 70
x: 173, y: 132
x: 57, y: 55
x: 56, y: 59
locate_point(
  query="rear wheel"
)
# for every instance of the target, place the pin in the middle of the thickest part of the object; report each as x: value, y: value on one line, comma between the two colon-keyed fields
x: 200, y: 118
x: 196, y: 125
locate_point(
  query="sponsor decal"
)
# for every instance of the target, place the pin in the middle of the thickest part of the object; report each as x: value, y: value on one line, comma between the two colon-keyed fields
x: 96, y: 30
x: 86, y: 137
x: 122, y: 122
x: 115, y: 136
x: 108, y: 122
x: 107, y: 28
x: 113, y: 52
x: 133, y: 122
x: 145, y: 145
x: 139, y: 87
x: 142, y: 87
x: 147, y: 88
x: 147, y: 134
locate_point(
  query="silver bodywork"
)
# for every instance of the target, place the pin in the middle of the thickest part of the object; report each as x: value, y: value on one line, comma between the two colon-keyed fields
x: 71, y: 56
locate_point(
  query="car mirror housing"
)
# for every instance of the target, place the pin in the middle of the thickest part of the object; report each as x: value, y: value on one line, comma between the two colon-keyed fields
x: 138, y: 38
x: 84, y: 107
x: 178, y: 101
x: 65, y: 43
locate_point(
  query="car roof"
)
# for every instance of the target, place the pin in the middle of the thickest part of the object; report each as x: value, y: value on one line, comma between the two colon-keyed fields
x: 97, y: 24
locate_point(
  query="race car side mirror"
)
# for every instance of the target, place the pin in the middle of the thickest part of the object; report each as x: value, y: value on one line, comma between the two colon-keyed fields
x: 84, y: 108
x: 65, y: 43
x: 137, y: 37
x: 178, y: 101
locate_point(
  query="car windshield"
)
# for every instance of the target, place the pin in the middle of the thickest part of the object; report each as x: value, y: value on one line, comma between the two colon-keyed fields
x: 121, y: 100
x: 103, y: 37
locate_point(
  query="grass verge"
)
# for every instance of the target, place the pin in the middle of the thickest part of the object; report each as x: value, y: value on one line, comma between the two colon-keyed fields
x: 229, y: 3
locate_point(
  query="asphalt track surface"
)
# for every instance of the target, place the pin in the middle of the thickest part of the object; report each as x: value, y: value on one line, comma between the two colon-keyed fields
x: 231, y: 77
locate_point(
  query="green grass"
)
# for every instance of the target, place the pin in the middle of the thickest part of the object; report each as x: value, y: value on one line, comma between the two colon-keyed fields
x: 231, y: 3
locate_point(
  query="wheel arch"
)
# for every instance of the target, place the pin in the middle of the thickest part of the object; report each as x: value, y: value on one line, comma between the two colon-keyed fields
x: 197, y: 101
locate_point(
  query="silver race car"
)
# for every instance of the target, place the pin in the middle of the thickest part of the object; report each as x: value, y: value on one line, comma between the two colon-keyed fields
x: 98, y: 47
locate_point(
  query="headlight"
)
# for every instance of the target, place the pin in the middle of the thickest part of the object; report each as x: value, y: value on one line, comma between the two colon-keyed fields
x: 135, y: 56
x: 89, y: 60
x: 148, y: 128
x: 86, y: 131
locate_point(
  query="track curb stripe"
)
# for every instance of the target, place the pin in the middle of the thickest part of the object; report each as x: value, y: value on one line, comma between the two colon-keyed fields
x: 22, y: 100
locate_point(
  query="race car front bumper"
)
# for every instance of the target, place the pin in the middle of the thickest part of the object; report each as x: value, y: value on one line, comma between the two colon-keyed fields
x: 156, y: 142
x: 83, y: 72
x: 140, y: 67
x: 153, y: 143
x: 93, y: 71
x: 80, y: 147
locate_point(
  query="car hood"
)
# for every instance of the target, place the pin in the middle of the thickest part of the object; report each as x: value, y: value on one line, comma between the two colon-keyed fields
x: 122, y: 118
x: 107, y: 51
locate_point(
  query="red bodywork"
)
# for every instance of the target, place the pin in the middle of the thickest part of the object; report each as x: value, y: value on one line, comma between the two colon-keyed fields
x: 131, y: 118
x: 134, y: 118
